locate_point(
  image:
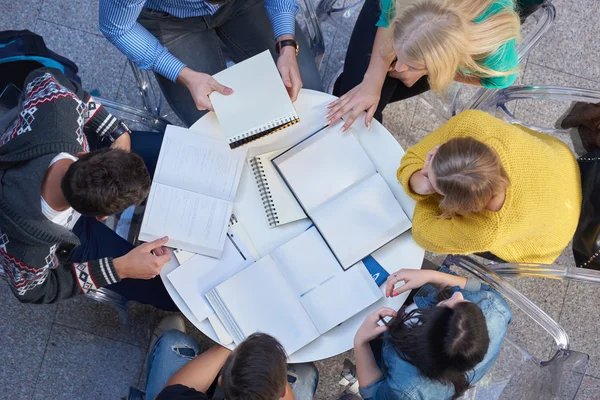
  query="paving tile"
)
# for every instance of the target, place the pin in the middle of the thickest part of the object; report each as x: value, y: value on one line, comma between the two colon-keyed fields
x: 91, y: 316
x: 397, y: 118
x: 100, y: 64
x: 590, y: 389
x: 581, y: 320
x: 329, y: 376
x: 572, y: 43
x: 426, y: 116
x: 78, y: 14
x: 24, y: 333
x: 80, y: 365
x: 18, y: 15
x: 545, y: 113
x: 546, y: 294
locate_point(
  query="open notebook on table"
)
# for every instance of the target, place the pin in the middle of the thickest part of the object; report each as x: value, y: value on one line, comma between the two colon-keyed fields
x: 295, y: 294
x: 259, y: 104
x: 340, y: 189
x: 281, y: 207
x: 192, y: 192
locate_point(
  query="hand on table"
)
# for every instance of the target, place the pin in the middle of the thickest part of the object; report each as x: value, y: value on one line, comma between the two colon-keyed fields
x: 412, y: 278
x: 200, y: 86
x: 287, y: 64
x: 363, y: 97
x: 143, y: 262
x: 370, y: 328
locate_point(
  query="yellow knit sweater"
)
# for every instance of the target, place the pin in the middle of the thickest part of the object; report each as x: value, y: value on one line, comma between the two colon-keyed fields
x: 542, y: 205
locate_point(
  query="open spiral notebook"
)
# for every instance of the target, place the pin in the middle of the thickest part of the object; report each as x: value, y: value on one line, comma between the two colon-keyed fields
x: 259, y: 105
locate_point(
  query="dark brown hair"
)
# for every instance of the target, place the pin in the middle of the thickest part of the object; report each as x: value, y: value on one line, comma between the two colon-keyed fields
x: 469, y: 174
x: 443, y: 343
x: 255, y: 370
x: 105, y: 182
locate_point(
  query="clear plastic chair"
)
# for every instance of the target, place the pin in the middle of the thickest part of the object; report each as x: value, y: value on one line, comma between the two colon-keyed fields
x: 498, y: 100
x: 342, y: 17
x: 151, y: 95
x: 517, y: 374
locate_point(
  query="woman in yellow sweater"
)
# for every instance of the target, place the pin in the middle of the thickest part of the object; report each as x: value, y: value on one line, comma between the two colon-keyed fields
x: 483, y: 185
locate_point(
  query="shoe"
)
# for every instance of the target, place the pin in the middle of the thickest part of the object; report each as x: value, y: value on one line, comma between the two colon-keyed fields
x: 168, y: 323
x: 583, y: 114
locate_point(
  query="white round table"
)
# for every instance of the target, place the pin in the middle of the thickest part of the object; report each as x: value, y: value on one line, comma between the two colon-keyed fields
x: 385, y: 153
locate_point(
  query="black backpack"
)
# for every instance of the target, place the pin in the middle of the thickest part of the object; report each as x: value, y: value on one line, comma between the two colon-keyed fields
x: 22, y: 52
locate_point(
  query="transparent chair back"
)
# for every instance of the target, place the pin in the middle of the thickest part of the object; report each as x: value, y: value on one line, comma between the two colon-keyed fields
x: 342, y: 16
x: 517, y: 374
x: 309, y: 23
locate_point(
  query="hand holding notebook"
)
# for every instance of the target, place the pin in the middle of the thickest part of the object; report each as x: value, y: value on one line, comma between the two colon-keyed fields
x: 259, y: 104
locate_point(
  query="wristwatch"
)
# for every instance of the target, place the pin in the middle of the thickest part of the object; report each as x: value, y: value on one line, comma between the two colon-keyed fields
x: 119, y: 131
x: 287, y: 42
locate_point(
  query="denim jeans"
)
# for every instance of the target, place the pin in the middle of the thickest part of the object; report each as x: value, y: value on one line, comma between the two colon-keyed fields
x: 174, y: 349
x: 237, y: 31
x: 97, y: 240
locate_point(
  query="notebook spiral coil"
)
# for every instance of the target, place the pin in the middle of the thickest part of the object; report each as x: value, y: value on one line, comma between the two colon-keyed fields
x: 264, y: 130
x: 263, y: 189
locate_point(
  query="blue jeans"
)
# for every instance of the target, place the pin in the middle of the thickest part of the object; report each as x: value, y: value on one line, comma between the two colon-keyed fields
x: 174, y: 349
x: 98, y: 241
x: 237, y: 31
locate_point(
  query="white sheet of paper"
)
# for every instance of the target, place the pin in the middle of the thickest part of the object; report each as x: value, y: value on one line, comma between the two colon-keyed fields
x: 193, y: 222
x: 194, y: 278
x: 189, y: 160
x: 260, y: 300
x: 306, y: 261
x: 324, y: 165
x: 357, y: 223
x: 341, y: 297
x: 258, y: 99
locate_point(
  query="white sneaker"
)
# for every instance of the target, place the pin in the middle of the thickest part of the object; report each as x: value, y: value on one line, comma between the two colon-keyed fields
x: 166, y: 324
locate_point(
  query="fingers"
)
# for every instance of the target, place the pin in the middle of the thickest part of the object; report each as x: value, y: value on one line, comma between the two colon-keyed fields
x: 369, y: 116
x: 296, y: 84
x: 156, y: 244
x: 390, y: 287
x: 351, y: 118
x: 161, y: 260
x: 217, y: 87
x: 386, y: 312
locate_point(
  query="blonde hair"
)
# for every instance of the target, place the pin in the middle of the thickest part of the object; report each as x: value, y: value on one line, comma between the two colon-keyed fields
x: 441, y: 35
x: 469, y: 174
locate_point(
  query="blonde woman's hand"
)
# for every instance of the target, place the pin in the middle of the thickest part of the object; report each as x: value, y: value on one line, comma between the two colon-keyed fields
x: 363, y: 97
x: 370, y: 327
x: 412, y: 278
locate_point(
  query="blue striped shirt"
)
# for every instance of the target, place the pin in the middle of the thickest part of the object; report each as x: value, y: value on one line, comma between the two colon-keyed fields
x: 118, y: 22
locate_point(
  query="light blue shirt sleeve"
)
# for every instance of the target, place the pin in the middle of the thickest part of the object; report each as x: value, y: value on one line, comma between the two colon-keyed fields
x: 282, y: 14
x: 118, y: 23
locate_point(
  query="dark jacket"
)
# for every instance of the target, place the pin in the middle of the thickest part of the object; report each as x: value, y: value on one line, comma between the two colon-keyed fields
x: 55, y: 116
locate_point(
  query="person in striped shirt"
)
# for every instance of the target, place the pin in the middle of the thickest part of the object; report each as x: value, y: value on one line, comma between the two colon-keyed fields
x: 185, y: 42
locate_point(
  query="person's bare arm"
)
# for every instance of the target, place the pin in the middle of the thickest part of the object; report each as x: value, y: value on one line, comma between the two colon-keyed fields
x: 201, y: 372
x: 366, y: 95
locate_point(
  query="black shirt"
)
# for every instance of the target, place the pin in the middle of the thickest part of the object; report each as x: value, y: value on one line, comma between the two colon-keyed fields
x: 181, y: 392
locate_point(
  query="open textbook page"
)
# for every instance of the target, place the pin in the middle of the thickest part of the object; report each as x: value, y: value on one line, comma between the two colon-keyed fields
x: 192, y: 193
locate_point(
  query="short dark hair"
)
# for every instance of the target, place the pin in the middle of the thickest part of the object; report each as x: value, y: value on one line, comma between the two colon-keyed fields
x: 255, y: 370
x: 105, y: 182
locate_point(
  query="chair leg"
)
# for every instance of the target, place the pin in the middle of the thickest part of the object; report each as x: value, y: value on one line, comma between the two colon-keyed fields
x: 113, y: 299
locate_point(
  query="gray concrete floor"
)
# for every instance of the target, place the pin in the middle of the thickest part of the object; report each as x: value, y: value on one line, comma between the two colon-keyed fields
x: 77, y: 349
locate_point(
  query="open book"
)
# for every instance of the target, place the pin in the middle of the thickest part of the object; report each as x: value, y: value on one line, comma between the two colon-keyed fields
x: 192, y: 193
x: 281, y: 207
x: 259, y: 104
x: 295, y: 294
x: 339, y: 188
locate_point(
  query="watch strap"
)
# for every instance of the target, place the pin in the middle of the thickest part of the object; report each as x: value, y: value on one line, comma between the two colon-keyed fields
x: 286, y: 42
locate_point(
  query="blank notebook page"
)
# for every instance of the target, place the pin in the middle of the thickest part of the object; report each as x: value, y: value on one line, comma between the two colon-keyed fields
x: 324, y: 165
x: 260, y: 300
x: 258, y: 99
x: 360, y: 221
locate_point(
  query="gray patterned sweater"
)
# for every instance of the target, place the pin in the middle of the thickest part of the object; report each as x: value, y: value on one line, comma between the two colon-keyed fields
x: 55, y: 116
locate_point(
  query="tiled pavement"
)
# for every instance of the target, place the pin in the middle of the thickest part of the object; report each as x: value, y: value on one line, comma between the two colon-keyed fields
x: 77, y: 350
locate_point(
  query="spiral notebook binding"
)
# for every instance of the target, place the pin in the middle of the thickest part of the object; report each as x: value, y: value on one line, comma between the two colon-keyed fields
x: 264, y: 130
x: 264, y: 191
